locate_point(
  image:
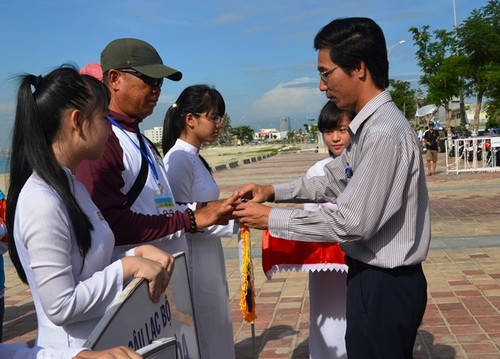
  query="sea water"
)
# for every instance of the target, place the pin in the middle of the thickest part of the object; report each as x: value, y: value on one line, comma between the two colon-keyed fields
x: 4, y: 164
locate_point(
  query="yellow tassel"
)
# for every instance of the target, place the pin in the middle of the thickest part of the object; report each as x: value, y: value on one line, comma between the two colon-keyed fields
x: 247, y: 294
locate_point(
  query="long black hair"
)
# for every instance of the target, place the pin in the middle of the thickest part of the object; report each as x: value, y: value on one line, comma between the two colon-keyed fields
x: 36, y: 127
x: 194, y: 99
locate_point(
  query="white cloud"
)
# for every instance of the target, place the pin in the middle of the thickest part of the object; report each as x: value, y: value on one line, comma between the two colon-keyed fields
x: 297, y: 98
x: 7, y: 108
x: 228, y: 18
x: 166, y: 99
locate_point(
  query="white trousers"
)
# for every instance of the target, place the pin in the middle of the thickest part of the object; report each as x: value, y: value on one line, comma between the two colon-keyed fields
x: 327, y: 293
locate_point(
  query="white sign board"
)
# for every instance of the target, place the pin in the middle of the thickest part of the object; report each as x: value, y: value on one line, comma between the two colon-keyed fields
x: 133, y: 320
x: 495, y: 141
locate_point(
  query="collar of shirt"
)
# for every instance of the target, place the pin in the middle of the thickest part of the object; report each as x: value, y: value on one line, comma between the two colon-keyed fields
x: 127, y: 123
x: 186, y: 146
x: 368, y: 110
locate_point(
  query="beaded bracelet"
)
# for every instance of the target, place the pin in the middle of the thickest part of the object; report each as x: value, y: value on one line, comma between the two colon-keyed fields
x: 192, y: 220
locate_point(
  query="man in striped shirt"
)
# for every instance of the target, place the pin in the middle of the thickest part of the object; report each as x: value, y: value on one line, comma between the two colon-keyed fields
x: 383, y: 221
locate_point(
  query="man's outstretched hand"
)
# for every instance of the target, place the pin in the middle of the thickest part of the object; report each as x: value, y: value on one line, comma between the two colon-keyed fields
x: 252, y: 214
x: 257, y: 193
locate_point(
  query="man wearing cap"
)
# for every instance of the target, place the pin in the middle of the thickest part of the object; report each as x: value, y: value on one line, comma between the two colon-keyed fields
x: 128, y: 184
x: 431, y: 138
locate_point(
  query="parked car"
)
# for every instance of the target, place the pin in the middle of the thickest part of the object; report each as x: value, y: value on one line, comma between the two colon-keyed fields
x: 460, y: 133
x: 491, y: 132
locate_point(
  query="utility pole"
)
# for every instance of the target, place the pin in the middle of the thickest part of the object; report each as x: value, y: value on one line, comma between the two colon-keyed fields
x: 460, y: 94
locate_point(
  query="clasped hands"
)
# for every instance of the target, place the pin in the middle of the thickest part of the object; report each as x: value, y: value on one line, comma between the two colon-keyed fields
x: 243, y: 205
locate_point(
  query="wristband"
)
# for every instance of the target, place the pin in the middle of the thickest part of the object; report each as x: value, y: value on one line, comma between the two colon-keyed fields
x: 192, y: 220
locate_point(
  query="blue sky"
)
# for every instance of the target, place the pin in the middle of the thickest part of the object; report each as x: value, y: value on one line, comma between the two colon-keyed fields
x: 257, y: 53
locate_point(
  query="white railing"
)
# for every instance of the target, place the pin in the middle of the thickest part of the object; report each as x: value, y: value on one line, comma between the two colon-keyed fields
x: 473, y: 154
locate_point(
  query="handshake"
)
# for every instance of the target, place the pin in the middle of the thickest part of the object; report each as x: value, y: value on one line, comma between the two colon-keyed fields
x: 244, y: 205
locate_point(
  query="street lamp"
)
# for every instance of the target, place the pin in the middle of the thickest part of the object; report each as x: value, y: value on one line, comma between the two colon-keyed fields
x: 393, y: 46
x: 461, y: 94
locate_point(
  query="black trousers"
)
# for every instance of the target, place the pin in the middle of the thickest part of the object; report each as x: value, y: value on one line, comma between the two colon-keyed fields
x: 384, y: 310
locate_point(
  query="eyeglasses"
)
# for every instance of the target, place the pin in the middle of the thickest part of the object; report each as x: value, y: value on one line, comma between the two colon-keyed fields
x: 216, y: 119
x: 146, y: 79
x: 325, y: 74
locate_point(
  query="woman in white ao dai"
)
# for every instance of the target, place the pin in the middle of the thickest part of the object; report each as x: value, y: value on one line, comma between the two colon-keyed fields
x: 59, y: 242
x: 194, y: 119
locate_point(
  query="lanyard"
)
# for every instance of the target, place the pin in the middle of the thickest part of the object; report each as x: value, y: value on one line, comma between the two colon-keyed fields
x: 146, y: 155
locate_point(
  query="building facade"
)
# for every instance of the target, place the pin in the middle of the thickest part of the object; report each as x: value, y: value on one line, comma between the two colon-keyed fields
x: 154, y: 135
x: 285, y: 124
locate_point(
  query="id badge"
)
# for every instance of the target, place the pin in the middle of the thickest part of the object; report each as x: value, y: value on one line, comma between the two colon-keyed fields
x: 164, y: 202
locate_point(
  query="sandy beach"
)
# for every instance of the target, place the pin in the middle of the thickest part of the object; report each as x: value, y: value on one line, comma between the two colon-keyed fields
x: 225, y: 154
x: 4, y: 182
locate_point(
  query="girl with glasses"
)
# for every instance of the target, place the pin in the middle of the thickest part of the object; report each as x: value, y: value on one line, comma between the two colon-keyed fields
x: 195, y: 119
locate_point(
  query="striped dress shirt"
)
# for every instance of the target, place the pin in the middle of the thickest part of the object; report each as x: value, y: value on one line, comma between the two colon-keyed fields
x: 380, y: 189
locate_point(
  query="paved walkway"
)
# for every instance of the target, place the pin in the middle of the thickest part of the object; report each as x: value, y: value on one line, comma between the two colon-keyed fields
x: 462, y: 319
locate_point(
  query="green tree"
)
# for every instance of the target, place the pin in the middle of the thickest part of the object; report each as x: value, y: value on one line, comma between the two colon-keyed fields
x: 243, y: 133
x: 441, y: 67
x: 300, y: 135
x: 404, y: 97
x: 493, y: 123
x: 493, y: 109
x: 478, y: 39
x: 313, y: 130
x: 225, y: 131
